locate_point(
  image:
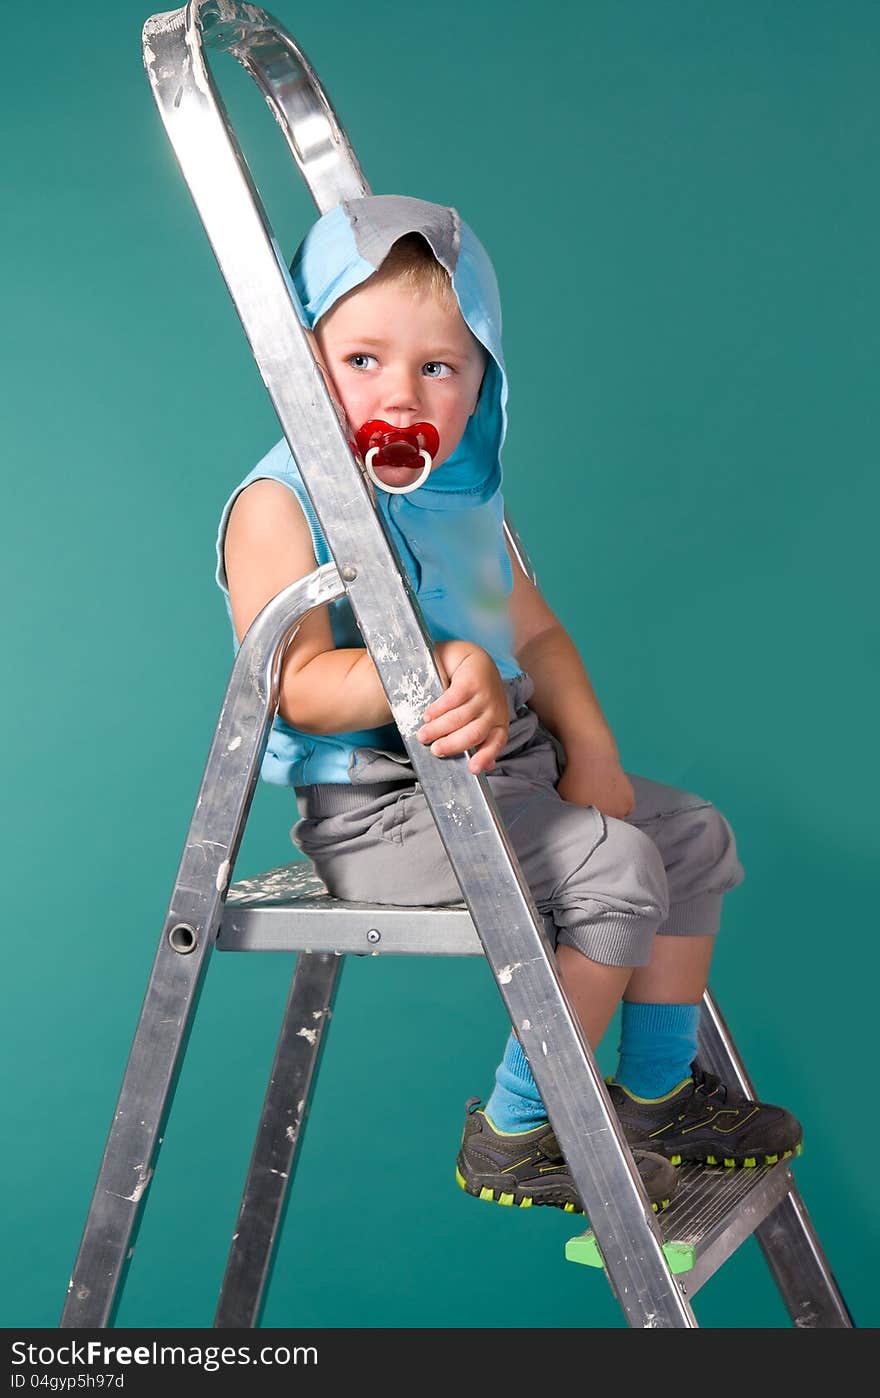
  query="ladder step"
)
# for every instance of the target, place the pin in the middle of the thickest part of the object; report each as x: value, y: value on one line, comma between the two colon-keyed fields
x: 289, y: 909
x: 713, y: 1212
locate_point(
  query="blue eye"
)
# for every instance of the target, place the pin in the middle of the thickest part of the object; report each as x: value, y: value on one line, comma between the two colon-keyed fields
x: 436, y: 370
x: 361, y: 361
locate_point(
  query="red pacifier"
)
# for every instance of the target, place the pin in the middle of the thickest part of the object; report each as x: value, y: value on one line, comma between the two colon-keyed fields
x: 412, y: 448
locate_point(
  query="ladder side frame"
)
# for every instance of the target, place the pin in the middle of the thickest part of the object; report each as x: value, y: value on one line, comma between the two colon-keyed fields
x: 508, y: 924
x: 185, y: 945
x: 279, y: 1139
x: 787, y: 1237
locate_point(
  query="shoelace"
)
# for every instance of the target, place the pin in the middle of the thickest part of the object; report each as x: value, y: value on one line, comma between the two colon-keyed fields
x: 707, y: 1084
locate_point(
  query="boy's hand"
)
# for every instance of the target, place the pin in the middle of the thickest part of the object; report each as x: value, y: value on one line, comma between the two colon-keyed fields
x: 598, y: 780
x: 472, y: 711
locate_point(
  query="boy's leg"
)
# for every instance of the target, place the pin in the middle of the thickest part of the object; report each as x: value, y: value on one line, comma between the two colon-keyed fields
x: 660, y: 1015
x: 608, y: 884
x: 594, y: 990
x: 661, y: 1010
x: 389, y: 850
x: 661, y: 1000
x: 660, y: 1092
x: 604, y: 886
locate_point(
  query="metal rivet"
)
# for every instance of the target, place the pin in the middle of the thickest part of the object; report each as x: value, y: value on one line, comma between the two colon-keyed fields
x: 373, y: 935
x: 348, y: 574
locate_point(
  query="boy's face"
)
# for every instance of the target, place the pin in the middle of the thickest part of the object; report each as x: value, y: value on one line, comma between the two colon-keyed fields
x: 402, y: 356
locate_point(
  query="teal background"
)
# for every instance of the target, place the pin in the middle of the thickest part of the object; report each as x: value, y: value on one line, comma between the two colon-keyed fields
x: 681, y: 202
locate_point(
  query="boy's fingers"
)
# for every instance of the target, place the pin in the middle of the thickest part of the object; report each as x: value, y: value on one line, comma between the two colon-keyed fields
x: 444, y: 724
x: 451, y: 698
x: 470, y: 735
x: 483, y: 759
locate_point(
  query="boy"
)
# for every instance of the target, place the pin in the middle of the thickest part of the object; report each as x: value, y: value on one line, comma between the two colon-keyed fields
x: 401, y: 302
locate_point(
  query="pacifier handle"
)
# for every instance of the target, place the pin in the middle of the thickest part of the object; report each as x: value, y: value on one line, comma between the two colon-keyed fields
x: 428, y: 462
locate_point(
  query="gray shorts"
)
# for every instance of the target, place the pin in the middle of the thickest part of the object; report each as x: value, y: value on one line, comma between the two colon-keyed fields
x: 605, y: 886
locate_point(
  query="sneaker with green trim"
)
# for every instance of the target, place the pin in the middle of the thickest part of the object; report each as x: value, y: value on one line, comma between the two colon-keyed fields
x: 701, y: 1120
x: 527, y: 1167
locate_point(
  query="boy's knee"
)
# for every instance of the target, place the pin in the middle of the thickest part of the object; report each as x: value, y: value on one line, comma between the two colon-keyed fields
x: 612, y: 908
x: 713, y: 860
x: 640, y: 871
x: 696, y: 842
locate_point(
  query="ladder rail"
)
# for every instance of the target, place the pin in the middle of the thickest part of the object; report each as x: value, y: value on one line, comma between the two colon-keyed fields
x: 278, y: 1141
x: 787, y: 1237
x: 185, y: 944
x: 393, y: 630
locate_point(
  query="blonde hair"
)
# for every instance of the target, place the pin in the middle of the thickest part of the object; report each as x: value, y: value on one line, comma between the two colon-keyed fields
x: 412, y: 262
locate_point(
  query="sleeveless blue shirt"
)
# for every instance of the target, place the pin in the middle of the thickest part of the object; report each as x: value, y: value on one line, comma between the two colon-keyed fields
x: 448, y: 533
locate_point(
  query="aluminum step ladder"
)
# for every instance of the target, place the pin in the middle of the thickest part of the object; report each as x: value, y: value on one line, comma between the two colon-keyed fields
x: 654, y: 1264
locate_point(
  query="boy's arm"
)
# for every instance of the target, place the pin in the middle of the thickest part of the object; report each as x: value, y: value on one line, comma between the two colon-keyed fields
x: 268, y: 546
x: 566, y: 703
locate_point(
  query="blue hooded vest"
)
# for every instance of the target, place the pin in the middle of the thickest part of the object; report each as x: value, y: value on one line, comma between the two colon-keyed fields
x: 449, y: 532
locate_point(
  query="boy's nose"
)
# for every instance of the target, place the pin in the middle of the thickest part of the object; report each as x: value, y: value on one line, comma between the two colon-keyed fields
x: 402, y: 393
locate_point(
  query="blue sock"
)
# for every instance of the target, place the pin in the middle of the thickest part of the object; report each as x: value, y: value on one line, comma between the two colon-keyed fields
x: 658, y: 1044
x: 515, y: 1103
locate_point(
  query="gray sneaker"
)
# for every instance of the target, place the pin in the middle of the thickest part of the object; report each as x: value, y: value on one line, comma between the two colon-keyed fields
x: 701, y: 1120
x: 527, y: 1167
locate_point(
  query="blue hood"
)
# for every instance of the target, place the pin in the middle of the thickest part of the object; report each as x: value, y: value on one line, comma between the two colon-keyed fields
x: 347, y: 245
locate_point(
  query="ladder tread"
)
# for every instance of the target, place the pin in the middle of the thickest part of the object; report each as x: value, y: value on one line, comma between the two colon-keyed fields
x: 298, y: 885
x: 289, y: 909
x: 713, y: 1212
